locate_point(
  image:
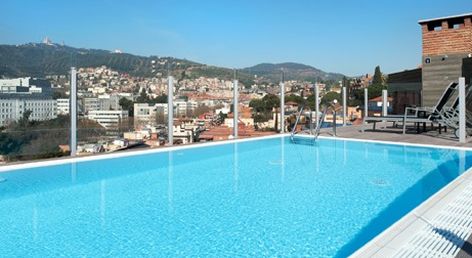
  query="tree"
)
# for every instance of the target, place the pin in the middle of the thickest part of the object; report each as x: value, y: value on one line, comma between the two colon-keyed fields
x: 127, y: 104
x: 378, y: 84
x: 257, y: 105
x: 262, y: 108
x: 143, y: 97
x: 329, y: 97
x: 59, y: 95
x: 375, y: 90
x: 294, y: 98
x: 271, y: 101
x: 160, y: 99
x: 311, y: 102
x: 378, y: 78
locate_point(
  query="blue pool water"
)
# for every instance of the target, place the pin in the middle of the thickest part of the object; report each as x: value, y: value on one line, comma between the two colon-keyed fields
x: 256, y: 198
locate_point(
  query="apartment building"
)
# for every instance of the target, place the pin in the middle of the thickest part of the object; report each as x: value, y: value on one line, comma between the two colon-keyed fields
x: 20, y: 95
x: 149, y: 115
x: 109, y: 118
x: 63, y: 106
x: 12, y: 108
x: 184, y: 108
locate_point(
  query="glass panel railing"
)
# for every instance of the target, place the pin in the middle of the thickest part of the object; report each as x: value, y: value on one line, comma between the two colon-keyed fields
x: 29, y: 140
x: 119, y: 108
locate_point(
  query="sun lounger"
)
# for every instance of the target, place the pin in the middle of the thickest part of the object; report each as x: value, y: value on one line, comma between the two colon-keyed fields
x: 416, y: 115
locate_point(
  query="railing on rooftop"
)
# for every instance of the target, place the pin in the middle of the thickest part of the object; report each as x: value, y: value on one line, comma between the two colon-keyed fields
x: 165, y: 106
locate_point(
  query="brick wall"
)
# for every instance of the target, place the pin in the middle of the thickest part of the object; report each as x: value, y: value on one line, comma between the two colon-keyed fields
x: 447, y: 40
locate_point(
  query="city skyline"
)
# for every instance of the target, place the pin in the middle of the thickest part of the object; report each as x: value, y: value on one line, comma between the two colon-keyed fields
x: 345, y: 37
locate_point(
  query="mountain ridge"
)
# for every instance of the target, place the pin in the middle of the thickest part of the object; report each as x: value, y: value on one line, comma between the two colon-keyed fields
x: 39, y: 60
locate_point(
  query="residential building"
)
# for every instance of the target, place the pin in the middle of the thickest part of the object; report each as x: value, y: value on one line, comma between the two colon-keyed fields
x: 63, y: 106
x: 109, y: 102
x: 90, y: 104
x: 26, y: 85
x: 149, y: 115
x: 13, y: 107
x: 184, y: 134
x: 109, y: 118
x: 376, y: 106
x: 19, y: 95
x: 184, y: 108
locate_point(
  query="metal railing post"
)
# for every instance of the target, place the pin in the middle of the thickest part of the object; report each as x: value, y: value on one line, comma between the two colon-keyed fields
x: 366, y: 102
x: 73, y: 112
x: 170, y: 109
x: 282, y: 106
x: 462, y: 111
x: 235, y: 109
x: 344, y: 105
x: 384, y: 102
x: 334, y: 122
x: 317, y: 103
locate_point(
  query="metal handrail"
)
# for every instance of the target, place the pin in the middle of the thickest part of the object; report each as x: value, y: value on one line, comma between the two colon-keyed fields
x: 320, y: 122
x: 296, y: 122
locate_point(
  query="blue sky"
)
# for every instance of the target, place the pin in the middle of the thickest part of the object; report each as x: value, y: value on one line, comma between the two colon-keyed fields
x: 347, y: 36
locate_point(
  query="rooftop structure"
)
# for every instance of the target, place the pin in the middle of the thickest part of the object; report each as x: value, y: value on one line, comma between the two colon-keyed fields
x: 447, y: 53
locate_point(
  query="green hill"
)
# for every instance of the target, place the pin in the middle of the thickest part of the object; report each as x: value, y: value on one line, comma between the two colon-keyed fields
x: 39, y: 60
x: 292, y: 71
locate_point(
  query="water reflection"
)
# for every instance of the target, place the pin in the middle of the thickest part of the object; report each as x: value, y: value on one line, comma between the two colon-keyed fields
x: 170, y: 183
x: 235, y: 167
x: 344, y: 153
x: 34, y: 222
x: 73, y: 171
x: 102, y: 202
x: 282, y: 159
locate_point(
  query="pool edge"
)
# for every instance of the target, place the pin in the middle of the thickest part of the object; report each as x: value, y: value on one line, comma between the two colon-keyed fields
x: 391, y: 239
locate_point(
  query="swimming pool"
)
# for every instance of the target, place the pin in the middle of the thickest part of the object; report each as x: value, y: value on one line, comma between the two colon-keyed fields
x: 265, y: 197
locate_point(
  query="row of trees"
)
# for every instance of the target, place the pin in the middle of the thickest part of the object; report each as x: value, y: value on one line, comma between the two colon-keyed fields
x: 262, y: 108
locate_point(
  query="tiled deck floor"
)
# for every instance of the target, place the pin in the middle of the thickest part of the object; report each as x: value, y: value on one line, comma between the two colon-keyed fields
x: 395, y: 135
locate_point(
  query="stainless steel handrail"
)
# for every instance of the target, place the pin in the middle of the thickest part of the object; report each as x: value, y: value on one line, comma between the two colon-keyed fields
x: 320, y: 122
x: 296, y: 122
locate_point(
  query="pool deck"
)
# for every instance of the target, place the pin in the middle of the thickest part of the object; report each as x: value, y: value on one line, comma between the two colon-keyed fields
x: 392, y: 134
x: 422, y: 231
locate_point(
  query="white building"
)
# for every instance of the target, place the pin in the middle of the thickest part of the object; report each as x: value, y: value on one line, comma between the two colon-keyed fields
x: 184, y: 133
x: 183, y: 108
x: 23, y: 82
x: 25, y: 85
x: 13, y: 108
x: 90, y: 104
x: 147, y: 115
x: 19, y: 95
x: 63, y: 106
x: 109, y: 118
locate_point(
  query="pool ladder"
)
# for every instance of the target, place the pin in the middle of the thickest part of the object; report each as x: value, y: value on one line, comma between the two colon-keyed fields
x: 318, y: 124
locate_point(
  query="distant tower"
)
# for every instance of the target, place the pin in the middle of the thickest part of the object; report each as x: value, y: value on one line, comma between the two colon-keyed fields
x: 47, y: 41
